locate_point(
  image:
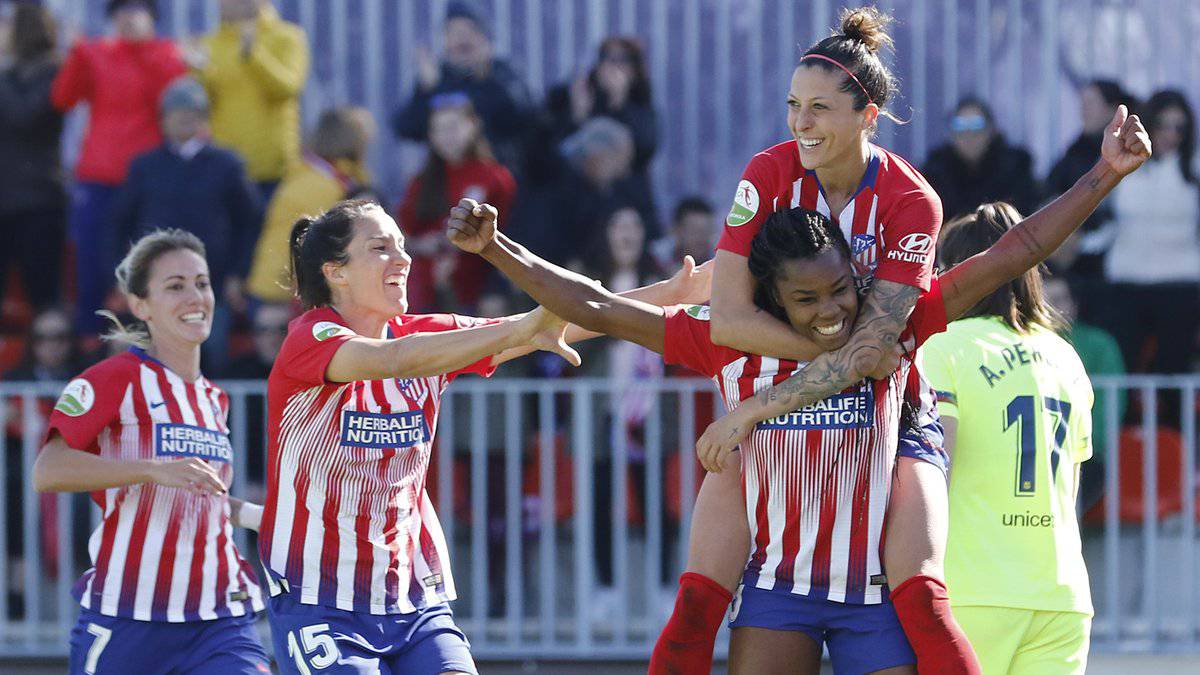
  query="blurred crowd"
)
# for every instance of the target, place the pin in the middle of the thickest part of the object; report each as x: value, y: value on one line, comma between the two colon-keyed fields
x: 205, y: 134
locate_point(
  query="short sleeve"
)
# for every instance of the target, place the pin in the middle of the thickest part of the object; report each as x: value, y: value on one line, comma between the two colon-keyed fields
x: 910, y: 238
x: 938, y: 367
x: 88, y: 404
x: 1081, y: 418
x: 311, y: 342
x: 928, y: 317
x: 686, y: 340
x: 759, y: 184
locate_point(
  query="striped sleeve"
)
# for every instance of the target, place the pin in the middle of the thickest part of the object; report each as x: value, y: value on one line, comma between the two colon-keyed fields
x: 89, y: 403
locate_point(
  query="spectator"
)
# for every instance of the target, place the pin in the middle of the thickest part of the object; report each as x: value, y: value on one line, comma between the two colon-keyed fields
x: 496, y: 90
x: 1100, y: 356
x: 121, y: 79
x: 1083, y: 255
x: 1154, y: 261
x: 558, y: 218
x: 191, y: 184
x: 978, y: 165
x: 693, y: 232
x: 52, y: 354
x: 254, y: 67
x: 330, y: 168
x: 616, y: 87
x: 32, y: 200
x: 459, y: 164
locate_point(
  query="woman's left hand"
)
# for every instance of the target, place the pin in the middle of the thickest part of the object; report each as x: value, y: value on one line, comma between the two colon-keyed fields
x: 692, y: 284
x: 1126, y: 144
x: 547, y: 333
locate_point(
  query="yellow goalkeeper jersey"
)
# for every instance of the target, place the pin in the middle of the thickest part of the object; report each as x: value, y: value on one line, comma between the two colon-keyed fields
x: 1023, y: 406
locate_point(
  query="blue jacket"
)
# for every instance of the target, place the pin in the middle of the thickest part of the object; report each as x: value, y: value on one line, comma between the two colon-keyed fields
x: 208, y: 195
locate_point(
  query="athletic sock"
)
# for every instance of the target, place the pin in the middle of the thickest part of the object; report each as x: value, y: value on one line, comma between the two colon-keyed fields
x: 685, y: 646
x: 923, y: 605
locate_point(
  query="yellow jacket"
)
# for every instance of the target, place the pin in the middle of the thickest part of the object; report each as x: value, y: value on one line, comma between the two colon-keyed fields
x: 255, y: 101
x: 310, y: 186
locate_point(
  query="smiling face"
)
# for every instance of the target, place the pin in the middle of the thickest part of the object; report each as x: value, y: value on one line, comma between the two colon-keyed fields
x: 818, y: 296
x: 375, y: 276
x: 823, y: 120
x: 179, y: 301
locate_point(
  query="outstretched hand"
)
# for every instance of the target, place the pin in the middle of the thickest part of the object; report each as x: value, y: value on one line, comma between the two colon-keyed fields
x: 692, y: 284
x: 547, y: 332
x: 1126, y: 144
x: 472, y: 226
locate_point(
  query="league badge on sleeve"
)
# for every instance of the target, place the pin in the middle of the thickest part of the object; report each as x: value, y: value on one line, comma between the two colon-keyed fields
x: 323, y: 330
x: 745, y: 204
x: 700, y: 312
x: 77, y: 398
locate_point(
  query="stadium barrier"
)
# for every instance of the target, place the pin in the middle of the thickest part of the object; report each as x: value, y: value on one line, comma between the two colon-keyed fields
x: 549, y: 499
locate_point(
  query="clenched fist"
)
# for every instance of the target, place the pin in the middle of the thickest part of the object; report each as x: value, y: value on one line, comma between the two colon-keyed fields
x: 472, y: 226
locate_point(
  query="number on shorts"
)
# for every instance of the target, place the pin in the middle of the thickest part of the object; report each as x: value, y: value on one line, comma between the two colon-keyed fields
x: 93, y: 656
x: 1021, y: 412
x: 314, y: 639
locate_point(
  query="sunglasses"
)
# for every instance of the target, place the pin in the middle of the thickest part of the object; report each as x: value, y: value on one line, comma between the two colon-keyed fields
x: 963, y: 123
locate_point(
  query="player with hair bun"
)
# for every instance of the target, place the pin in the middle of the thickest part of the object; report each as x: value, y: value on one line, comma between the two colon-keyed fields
x: 147, y: 434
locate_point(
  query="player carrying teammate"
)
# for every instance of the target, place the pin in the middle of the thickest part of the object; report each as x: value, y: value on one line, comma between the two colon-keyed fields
x: 146, y: 433
x: 1016, y: 403
x: 890, y: 216
x: 356, y: 563
x: 816, y: 488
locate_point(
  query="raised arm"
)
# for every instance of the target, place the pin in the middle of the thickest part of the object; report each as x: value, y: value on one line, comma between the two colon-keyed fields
x: 739, y: 324
x: 1126, y: 145
x: 575, y: 298
x: 427, y: 354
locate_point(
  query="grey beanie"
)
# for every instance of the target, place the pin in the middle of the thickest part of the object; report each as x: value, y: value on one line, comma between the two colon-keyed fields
x: 185, y: 93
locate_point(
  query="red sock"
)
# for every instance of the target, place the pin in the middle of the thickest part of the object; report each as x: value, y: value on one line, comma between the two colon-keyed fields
x: 685, y: 646
x: 923, y: 606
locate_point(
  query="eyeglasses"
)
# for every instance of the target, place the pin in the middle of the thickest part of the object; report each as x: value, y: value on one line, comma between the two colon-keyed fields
x: 963, y: 123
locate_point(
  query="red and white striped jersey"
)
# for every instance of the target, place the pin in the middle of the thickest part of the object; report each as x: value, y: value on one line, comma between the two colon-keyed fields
x: 817, y: 479
x: 347, y: 521
x: 159, y: 553
x: 891, y: 223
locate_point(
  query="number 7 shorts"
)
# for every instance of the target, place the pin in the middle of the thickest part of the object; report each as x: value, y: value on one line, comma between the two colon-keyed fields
x: 314, y: 639
x: 103, y: 645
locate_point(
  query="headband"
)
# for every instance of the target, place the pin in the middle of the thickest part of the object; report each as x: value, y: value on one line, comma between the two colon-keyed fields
x: 844, y: 69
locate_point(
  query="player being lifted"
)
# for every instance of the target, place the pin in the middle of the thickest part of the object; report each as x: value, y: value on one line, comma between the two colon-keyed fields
x: 147, y: 434
x: 816, y: 524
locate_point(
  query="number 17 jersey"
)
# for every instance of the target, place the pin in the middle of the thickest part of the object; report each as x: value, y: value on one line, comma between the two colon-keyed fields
x: 1023, y: 404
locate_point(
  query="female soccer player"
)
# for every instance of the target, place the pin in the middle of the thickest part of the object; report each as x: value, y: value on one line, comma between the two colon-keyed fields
x: 146, y: 433
x: 1016, y: 403
x: 356, y: 563
x: 890, y: 217
x: 815, y: 574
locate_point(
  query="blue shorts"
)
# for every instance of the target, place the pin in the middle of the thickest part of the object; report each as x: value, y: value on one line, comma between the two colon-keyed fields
x: 926, y: 444
x: 861, y: 638
x: 107, y: 644
x: 334, y: 641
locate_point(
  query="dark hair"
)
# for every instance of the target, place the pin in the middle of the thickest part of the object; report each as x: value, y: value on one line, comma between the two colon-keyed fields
x: 1113, y: 93
x: 432, y: 200
x: 113, y: 6
x: 133, y: 277
x: 34, y: 31
x: 973, y: 101
x: 599, y: 261
x: 1152, y: 111
x: 639, y: 88
x: 322, y: 239
x: 342, y: 133
x: 790, y: 234
x: 863, y: 33
x: 689, y: 205
x: 1020, y: 303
